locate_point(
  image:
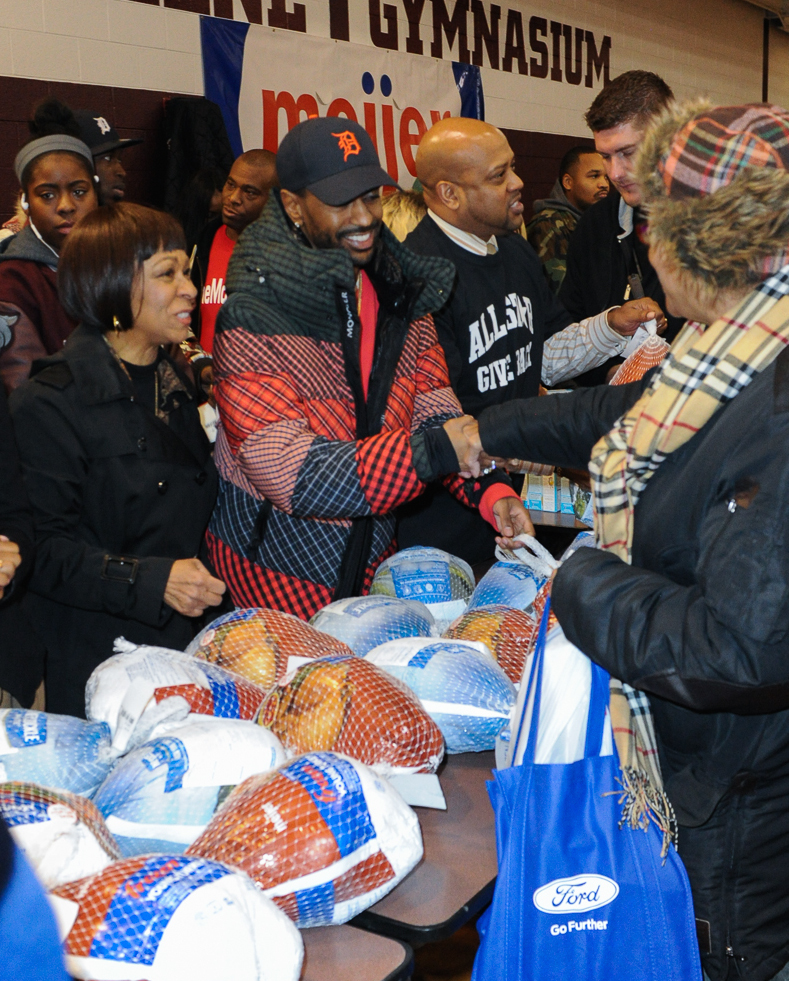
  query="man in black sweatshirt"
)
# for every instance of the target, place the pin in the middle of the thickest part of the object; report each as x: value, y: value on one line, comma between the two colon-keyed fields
x: 502, y: 330
x: 607, y: 262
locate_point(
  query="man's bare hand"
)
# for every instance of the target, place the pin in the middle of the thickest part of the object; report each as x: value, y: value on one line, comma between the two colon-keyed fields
x: 10, y: 559
x: 191, y: 588
x: 464, y: 434
x: 626, y: 320
x: 512, y: 519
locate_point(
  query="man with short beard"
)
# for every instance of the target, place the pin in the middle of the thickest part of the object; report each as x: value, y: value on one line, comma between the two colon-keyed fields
x: 332, y: 387
x: 502, y: 330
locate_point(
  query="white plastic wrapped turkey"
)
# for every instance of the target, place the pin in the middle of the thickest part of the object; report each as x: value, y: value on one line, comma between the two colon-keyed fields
x: 54, y: 750
x: 173, y: 918
x: 141, y: 687
x: 160, y: 796
x: 459, y: 685
x: 441, y: 581
x: 364, y: 622
x: 62, y: 835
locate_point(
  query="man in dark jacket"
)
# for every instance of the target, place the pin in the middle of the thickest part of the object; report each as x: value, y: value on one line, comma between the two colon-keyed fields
x: 607, y: 262
x: 580, y: 184
x: 106, y: 146
x: 332, y: 387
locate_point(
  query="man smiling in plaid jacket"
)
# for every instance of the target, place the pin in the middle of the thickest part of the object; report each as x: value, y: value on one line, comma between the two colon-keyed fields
x: 333, y: 391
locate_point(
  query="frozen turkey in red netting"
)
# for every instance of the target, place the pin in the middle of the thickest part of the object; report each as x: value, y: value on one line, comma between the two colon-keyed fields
x: 347, y: 705
x: 323, y: 836
x: 140, y: 688
x: 63, y: 836
x: 258, y: 644
x: 160, y: 796
x: 508, y: 634
x: 364, y: 622
x: 648, y: 354
x: 172, y: 918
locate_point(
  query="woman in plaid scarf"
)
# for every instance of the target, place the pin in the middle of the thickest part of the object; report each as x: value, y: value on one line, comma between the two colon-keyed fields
x: 686, y: 598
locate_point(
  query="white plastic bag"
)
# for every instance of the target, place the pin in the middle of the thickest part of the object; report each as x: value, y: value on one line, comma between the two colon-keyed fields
x: 172, y: 918
x: 160, y: 797
x: 566, y: 686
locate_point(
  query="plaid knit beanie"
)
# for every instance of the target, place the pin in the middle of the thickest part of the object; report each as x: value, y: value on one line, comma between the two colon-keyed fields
x: 715, y: 183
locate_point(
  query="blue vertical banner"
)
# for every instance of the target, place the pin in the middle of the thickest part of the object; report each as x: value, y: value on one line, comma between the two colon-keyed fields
x: 223, y: 64
x: 468, y: 79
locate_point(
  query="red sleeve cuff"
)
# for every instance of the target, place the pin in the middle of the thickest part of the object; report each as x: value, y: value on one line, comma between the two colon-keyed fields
x: 489, y: 497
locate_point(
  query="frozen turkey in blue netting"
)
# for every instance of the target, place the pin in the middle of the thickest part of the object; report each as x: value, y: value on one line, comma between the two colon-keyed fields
x: 63, y: 835
x: 173, y: 918
x: 364, y: 622
x: 508, y: 584
x: 459, y: 683
x: 54, y: 750
x: 434, y: 577
x: 160, y: 796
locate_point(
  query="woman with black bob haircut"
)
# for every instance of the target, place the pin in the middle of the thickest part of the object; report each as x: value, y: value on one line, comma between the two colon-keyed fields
x: 116, y: 463
x: 57, y: 184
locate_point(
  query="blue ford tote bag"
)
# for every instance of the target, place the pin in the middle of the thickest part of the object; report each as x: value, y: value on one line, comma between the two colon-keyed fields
x: 577, y: 897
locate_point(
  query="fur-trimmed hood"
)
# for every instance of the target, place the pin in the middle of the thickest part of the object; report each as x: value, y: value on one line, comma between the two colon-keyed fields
x: 732, y: 238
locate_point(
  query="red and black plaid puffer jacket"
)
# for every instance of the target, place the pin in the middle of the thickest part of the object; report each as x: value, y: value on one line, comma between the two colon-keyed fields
x: 303, y: 459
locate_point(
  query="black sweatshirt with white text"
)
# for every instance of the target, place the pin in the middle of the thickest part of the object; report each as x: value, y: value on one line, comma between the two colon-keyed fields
x: 498, y: 316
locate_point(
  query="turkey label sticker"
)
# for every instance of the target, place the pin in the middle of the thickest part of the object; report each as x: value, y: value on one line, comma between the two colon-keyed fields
x: 578, y: 894
x: 336, y: 790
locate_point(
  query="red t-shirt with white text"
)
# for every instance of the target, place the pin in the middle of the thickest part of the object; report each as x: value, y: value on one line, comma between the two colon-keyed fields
x: 214, y: 294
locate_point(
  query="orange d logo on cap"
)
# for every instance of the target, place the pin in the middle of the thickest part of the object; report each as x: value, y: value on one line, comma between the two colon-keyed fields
x: 348, y: 143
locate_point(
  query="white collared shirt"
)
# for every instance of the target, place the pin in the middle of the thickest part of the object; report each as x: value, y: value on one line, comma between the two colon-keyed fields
x: 467, y: 241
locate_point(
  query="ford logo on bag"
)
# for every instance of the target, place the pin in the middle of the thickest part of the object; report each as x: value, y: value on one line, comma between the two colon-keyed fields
x: 576, y: 895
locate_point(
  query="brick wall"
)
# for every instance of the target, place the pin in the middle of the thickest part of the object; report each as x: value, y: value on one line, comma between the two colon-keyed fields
x: 134, y: 113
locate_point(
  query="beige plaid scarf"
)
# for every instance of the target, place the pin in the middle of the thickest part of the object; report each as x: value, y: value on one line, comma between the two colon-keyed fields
x: 704, y: 370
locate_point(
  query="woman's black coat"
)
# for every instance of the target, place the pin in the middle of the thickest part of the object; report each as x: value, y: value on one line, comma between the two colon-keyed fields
x: 700, y: 621
x: 21, y: 653
x: 106, y: 479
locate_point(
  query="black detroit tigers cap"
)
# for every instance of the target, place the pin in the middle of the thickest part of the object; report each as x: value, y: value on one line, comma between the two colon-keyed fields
x: 99, y: 134
x: 333, y: 157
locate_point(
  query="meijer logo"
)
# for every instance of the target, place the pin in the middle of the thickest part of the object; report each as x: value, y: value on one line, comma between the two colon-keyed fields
x: 575, y: 895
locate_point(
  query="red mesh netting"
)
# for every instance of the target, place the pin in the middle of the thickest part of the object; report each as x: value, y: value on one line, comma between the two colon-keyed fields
x: 348, y: 705
x: 19, y: 801
x: 321, y: 816
x: 646, y: 356
x: 257, y: 644
x: 508, y: 633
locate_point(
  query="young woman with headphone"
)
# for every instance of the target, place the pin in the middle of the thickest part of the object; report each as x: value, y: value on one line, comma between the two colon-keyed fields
x: 55, y: 172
